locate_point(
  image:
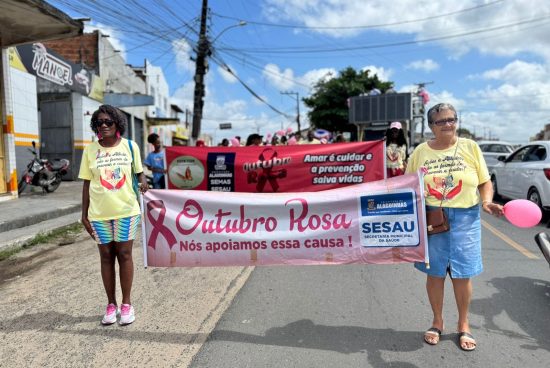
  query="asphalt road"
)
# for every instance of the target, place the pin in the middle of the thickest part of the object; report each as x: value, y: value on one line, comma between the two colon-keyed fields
x: 51, y: 301
x: 374, y: 316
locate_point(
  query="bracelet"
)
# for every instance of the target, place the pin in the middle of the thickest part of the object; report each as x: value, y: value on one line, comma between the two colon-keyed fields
x: 488, y: 202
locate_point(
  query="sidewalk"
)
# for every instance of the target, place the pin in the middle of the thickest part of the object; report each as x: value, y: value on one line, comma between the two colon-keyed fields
x: 53, y: 299
x: 33, y: 213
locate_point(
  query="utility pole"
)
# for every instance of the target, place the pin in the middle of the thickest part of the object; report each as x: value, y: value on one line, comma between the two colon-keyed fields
x: 200, y: 71
x: 187, y: 113
x: 297, y: 96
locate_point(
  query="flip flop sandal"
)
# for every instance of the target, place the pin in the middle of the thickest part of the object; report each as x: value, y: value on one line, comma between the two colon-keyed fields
x: 434, y: 333
x: 466, y: 337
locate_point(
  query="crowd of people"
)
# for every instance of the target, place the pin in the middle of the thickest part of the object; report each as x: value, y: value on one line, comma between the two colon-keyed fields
x: 111, y: 169
x: 282, y: 138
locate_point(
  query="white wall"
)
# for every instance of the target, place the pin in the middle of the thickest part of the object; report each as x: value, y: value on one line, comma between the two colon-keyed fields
x: 83, y: 108
x: 25, y: 107
x: 26, y: 126
x: 158, y: 88
x: 120, y: 78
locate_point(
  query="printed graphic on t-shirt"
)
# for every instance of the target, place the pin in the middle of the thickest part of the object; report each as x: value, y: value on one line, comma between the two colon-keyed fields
x: 443, y: 184
x: 110, y: 169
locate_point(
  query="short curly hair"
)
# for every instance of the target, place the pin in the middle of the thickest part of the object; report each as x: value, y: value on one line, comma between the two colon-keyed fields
x: 116, y: 115
x: 152, y: 138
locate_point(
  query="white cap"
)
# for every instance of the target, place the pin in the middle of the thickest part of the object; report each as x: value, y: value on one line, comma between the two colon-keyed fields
x: 396, y: 125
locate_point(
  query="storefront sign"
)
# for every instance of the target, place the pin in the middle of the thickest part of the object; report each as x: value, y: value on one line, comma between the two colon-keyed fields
x: 38, y: 60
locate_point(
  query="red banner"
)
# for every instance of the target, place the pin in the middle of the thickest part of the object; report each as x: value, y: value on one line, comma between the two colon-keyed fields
x: 270, y: 169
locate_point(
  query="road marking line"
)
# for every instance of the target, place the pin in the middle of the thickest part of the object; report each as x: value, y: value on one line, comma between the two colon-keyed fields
x: 510, y: 242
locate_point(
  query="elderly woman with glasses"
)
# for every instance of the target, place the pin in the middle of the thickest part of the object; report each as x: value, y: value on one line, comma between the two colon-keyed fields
x: 456, y: 179
x: 110, y: 209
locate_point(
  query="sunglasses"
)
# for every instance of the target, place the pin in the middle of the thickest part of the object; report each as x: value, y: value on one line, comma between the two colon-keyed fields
x: 443, y: 122
x: 108, y: 123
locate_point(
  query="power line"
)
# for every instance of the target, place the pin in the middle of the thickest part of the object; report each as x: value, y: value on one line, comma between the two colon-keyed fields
x: 278, y: 25
x: 225, y: 67
x: 303, y: 50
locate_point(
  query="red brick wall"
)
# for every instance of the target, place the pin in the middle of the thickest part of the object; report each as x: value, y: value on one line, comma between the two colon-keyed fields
x: 80, y: 49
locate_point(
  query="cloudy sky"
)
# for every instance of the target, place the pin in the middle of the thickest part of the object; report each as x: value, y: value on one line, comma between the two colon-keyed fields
x: 491, y: 58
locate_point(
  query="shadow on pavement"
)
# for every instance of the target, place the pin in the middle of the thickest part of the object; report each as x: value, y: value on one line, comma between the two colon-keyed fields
x: 67, y: 324
x: 526, y: 301
x: 343, y: 339
x: 20, y: 266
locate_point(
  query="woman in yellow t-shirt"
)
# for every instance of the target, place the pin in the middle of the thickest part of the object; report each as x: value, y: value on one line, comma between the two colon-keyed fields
x: 455, y: 173
x: 110, y: 210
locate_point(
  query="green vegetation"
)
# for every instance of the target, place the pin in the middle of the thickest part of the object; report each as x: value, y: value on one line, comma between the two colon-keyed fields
x: 47, y: 237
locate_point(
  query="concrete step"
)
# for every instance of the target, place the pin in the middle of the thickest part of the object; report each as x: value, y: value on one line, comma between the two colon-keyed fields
x: 21, y: 236
x: 18, y: 222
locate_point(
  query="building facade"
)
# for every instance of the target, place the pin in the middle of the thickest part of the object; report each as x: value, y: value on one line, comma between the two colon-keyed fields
x: 21, y: 22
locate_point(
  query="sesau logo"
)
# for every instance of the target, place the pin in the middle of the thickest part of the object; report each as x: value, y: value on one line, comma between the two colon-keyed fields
x: 388, y: 203
x: 50, y: 67
x: 389, y: 219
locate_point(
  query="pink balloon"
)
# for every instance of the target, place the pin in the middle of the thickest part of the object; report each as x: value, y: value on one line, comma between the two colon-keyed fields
x: 522, y: 213
x: 289, y: 130
x: 292, y: 141
x: 269, y: 136
x: 280, y: 132
x: 234, y: 142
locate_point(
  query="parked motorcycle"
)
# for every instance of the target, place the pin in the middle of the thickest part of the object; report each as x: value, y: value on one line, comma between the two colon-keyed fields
x: 43, y: 173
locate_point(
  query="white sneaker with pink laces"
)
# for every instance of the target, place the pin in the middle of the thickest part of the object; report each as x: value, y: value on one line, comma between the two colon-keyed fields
x: 110, y: 314
x: 126, y: 314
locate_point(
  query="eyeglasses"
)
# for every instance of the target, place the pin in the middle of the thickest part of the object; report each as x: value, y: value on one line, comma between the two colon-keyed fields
x: 109, y: 123
x: 443, y: 122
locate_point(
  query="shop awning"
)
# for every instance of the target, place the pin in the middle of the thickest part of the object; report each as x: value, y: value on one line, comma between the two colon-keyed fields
x: 24, y: 21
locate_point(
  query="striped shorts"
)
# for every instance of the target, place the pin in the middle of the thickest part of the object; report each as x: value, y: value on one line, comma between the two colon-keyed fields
x: 119, y: 230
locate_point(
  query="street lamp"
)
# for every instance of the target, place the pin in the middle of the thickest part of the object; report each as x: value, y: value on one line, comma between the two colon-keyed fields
x: 203, y: 51
x: 240, y: 24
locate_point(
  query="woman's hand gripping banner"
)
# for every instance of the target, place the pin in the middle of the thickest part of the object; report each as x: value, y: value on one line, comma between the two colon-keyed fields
x: 376, y: 222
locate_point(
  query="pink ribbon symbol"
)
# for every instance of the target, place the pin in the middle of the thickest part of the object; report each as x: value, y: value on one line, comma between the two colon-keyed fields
x: 268, y: 174
x: 158, y: 224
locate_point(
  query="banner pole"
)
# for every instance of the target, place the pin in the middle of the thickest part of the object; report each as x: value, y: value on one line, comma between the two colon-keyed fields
x: 143, y: 234
x: 421, y: 174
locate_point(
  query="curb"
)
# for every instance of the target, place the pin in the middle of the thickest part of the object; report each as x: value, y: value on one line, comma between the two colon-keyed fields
x: 39, y: 217
x: 28, y: 234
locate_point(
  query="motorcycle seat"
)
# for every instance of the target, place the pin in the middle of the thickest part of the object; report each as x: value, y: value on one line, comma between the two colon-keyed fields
x: 58, y: 164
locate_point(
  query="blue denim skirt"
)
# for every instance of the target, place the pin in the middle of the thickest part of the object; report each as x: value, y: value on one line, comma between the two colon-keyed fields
x: 458, y: 251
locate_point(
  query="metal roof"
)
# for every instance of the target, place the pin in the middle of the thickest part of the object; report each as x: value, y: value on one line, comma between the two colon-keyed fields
x: 24, y: 21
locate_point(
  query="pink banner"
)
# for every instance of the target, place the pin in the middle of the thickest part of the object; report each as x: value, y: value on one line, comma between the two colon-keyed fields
x: 376, y: 222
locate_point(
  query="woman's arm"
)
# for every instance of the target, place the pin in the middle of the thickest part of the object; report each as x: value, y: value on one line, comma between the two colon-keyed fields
x: 486, y: 194
x: 143, y: 186
x: 85, y: 206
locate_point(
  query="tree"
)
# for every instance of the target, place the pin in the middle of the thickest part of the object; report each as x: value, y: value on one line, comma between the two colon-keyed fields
x: 329, y: 101
x: 463, y: 132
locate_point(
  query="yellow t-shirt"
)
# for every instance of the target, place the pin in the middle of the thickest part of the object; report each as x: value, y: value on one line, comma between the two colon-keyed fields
x: 110, y: 174
x: 468, y: 170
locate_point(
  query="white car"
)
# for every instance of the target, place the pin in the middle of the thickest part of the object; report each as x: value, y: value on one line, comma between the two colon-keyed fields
x: 524, y: 174
x: 493, y: 149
